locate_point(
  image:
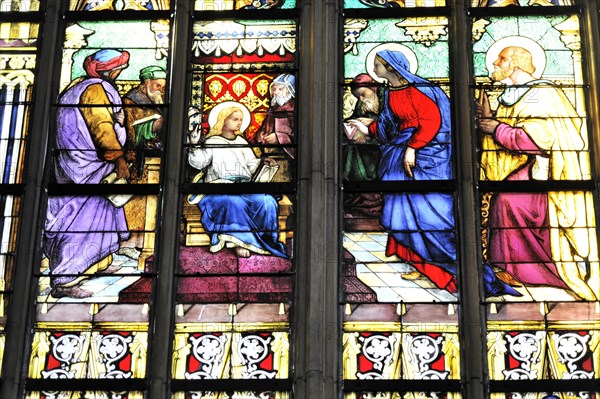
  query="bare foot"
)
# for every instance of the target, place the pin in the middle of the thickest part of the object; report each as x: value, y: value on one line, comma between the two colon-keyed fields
x: 71, y: 292
x: 414, y: 275
x: 242, y: 252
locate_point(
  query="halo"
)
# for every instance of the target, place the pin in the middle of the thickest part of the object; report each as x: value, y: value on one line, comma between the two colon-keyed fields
x: 408, y: 53
x: 214, y: 112
x: 538, y: 55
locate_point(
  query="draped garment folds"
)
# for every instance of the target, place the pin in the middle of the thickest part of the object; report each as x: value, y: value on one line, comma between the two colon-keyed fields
x: 421, y: 225
x: 81, y: 230
x: 246, y: 220
x: 541, y: 238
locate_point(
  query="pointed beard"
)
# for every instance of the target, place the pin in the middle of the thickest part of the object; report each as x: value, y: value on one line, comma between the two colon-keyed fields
x: 278, y: 101
x: 156, y: 97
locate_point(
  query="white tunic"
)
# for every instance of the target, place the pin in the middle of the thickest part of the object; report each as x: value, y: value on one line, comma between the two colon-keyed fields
x: 226, y: 161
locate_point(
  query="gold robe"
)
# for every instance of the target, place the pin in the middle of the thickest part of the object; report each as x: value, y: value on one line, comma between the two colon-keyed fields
x: 547, y: 116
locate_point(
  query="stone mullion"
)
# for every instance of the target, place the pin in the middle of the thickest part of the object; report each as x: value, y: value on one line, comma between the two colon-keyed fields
x: 317, y: 322
x: 472, y: 320
x: 161, y: 338
x: 28, y: 254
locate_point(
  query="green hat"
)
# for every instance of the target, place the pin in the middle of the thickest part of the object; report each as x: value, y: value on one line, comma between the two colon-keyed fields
x: 152, y: 72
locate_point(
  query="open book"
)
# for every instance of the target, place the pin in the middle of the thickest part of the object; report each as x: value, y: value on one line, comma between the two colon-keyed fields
x: 349, y: 130
x: 265, y: 173
x: 143, y: 129
x: 150, y: 118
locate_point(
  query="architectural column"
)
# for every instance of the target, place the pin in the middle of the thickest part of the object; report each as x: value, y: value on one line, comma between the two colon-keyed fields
x: 472, y: 321
x: 28, y: 255
x: 317, y: 328
x: 168, y: 243
x: 590, y: 36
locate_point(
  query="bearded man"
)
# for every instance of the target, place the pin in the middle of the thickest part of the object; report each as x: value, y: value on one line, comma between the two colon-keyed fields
x: 82, y: 232
x: 361, y: 154
x: 537, y: 238
x: 144, y: 123
x: 278, y: 125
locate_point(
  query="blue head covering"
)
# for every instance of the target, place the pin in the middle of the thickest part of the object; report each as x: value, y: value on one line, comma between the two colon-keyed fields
x: 400, y: 64
x: 288, y: 80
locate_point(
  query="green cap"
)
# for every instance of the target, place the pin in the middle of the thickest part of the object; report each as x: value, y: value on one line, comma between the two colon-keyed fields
x: 152, y: 72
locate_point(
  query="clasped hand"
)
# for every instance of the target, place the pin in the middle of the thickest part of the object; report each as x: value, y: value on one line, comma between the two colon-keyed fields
x: 483, y: 111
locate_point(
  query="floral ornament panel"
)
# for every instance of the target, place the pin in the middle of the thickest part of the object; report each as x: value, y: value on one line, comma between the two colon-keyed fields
x: 393, y: 3
x: 406, y: 395
x: 85, y: 354
x: 119, y: 5
x: 85, y: 395
x: 387, y: 355
x: 222, y: 5
x: 546, y: 395
x: 535, y: 355
x: 247, y: 355
x: 231, y: 395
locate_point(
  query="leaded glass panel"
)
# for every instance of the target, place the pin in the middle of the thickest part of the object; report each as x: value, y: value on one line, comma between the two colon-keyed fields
x: 221, y: 5
x: 119, y: 5
x: 393, y: 3
x: 539, y: 233
x: 235, y: 275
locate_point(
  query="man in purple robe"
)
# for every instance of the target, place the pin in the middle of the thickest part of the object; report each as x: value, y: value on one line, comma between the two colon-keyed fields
x: 82, y: 232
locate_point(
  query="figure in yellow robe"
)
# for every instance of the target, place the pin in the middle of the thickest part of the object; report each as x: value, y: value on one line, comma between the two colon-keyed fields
x: 545, y: 238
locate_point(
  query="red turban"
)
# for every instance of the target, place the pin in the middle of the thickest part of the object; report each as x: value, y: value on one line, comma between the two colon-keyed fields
x: 363, y: 80
x: 104, y: 60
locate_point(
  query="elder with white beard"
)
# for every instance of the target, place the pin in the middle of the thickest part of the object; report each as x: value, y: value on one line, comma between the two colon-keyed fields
x: 278, y: 125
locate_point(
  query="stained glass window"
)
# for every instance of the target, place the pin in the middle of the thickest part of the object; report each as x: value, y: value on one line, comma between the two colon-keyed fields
x: 93, y: 303
x: 235, y: 275
x: 399, y: 251
x: 276, y: 199
x: 538, y: 232
x: 540, y: 238
x: 18, y: 50
x: 119, y: 5
x: 222, y: 5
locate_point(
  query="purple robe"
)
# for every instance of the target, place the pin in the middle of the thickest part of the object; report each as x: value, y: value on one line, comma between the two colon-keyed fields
x: 81, y: 230
x: 520, y: 234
